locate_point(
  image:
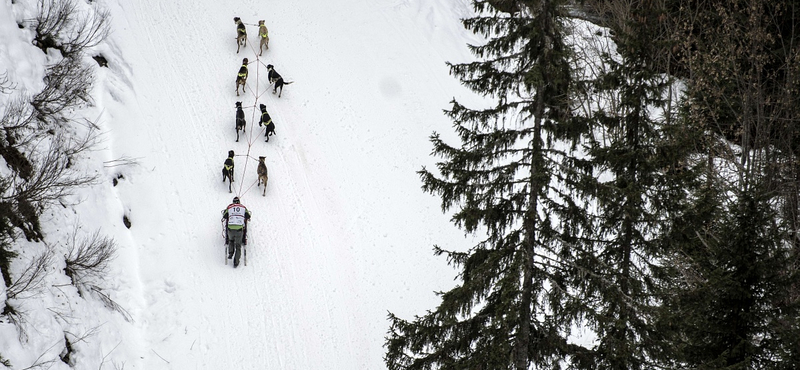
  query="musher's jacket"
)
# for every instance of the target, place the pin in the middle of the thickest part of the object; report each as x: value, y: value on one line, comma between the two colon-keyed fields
x: 237, y: 216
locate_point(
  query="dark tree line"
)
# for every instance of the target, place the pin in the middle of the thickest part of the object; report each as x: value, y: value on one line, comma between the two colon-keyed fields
x: 639, y: 180
x: 736, y: 304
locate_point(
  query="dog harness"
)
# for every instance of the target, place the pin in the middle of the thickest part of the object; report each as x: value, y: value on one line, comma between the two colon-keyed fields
x: 269, y: 119
x: 228, y: 164
x: 240, y: 27
x: 264, y: 34
x: 241, y: 73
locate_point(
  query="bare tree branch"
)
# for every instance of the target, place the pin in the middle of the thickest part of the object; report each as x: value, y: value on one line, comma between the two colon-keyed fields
x: 67, y: 84
x: 88, y: 259
x: 59, y: 26
x: 5, y: 85
x: 31, y: 279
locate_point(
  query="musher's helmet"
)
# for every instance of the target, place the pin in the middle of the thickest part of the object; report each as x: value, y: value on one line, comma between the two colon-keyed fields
x: 236, y: 199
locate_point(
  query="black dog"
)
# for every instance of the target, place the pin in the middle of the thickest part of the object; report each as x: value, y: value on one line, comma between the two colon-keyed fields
x: 240, y: 122
x: 227, y: 170
x: 241, y: 77
x: 266, y: 120
x: 276, y: 78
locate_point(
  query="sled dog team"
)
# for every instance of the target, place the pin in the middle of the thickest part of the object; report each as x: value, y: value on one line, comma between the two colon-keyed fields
x: 236, y: 215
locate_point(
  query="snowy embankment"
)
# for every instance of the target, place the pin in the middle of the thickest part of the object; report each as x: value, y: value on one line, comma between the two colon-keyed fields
x: 344, y: 233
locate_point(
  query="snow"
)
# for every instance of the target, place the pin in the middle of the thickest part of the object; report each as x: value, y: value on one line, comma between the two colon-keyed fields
x: 344, y: 234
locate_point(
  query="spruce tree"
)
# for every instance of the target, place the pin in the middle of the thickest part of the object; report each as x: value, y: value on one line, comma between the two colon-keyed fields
x: 503, y: 180
x: 635, y: 155
x: 732, y: 279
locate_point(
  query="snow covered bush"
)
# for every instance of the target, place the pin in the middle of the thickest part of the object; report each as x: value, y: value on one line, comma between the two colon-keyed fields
x: 87, y: 259
x: 59, y: 25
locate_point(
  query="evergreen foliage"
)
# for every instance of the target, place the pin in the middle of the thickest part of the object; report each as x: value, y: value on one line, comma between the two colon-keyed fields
x: 668, y: 228
x: 730, y: 311
x: 503, y: 180
x: 734, y: 302
x: 630, y: 189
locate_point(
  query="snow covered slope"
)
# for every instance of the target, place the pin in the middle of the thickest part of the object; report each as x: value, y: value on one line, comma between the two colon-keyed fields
x: 344, y: 233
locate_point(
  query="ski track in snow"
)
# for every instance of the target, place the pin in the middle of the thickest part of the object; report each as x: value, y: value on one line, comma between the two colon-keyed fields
x: 343, y: 234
